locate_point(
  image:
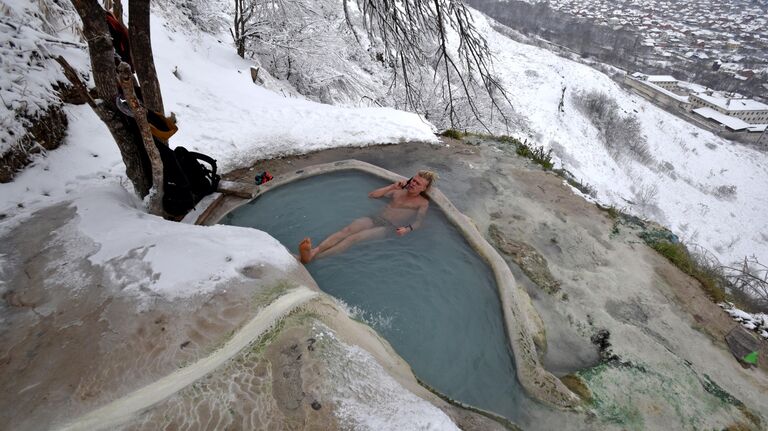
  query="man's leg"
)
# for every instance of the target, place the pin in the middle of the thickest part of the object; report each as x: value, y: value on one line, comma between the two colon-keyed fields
x: 307, y: 253
x: 366, y: 235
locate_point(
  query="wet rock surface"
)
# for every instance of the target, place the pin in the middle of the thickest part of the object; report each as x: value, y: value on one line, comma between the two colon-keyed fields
x: 664, y: 366
x: 73, y: 336
x: 660, y: 322
x: 527, y: 258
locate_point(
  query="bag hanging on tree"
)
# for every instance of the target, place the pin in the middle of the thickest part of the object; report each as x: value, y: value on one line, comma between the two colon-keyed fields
x: 186, y: 181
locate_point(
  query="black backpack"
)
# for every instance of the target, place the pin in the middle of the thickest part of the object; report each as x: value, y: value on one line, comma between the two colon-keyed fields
x: 186, y: 180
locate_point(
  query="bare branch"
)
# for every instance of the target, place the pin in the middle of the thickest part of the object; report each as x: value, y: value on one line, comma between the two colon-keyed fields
x: 77, y: 84
x: 125, y: 76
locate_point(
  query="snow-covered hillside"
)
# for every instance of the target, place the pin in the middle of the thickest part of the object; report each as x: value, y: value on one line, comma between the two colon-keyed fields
x: 31, y: 35
x: 682, y: 188
x: 221, y: 112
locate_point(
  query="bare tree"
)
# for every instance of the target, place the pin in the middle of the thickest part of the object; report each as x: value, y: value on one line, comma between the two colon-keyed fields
x: 406, y: 36
x: 242, y: 20
x: 750, y: 278
x: 621, y: 134
x: 139, y: 154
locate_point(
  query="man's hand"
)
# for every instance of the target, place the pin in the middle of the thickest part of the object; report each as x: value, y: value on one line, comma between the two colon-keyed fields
x: 402, y: 230
x: 399, y: 185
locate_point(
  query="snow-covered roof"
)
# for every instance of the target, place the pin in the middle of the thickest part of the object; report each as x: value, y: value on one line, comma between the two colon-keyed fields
x: 732, y: 123
x: 668, y: 93
x: 734, y: 104
x: 661, y: 78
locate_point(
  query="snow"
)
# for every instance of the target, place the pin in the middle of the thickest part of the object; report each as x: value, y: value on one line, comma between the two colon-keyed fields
x: 220, y: 112
x: 739, y: 314
x: 367, y: 398
x: 661, y: 78
x: 113, y: 217
x: 237, y: 122
x: 730, y: 104
x: 757, y: 322
x: 730, y: 122
x: 27, y: 72
x: 691, y: 164
x: 662, y: 90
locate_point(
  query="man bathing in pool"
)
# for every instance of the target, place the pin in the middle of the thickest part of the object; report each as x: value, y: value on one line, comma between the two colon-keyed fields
x: 404, y: 214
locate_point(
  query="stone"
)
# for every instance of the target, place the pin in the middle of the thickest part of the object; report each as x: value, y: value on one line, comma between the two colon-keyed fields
x: 527, y: 258
x: 742, y: 343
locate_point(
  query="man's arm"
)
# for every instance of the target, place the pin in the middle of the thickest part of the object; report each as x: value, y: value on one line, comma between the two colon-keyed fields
x: 420, y: 216
x: 386, y: 190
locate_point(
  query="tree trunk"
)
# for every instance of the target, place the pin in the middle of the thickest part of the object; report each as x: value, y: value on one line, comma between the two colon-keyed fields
x: 141, y: 52
x: 239, y: 28
x: 137, y: 166
x: 100, y: 48
x: 125, y: 75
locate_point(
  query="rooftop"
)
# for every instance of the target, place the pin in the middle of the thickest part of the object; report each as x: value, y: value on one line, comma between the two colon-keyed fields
x: 661, y: 78
x: 730, y: 122
x: 733, y: 104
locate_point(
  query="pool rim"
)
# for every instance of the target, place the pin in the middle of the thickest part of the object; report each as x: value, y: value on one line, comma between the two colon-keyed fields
x: 517, y: 308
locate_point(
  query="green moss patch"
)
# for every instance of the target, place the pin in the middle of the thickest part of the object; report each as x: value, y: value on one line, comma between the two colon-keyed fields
x: 676, y: 252
x: 452, y: 133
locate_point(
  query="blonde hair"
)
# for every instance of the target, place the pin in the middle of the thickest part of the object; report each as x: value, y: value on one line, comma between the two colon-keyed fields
x: 430, y: 176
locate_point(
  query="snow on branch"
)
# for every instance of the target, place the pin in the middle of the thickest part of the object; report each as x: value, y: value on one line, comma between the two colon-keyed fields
x: 426, y: 56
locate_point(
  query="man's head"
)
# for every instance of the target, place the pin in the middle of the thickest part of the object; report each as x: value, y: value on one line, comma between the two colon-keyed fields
x: 422, y: 181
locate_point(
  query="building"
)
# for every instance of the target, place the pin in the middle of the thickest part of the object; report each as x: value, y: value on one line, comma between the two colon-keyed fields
x: 666, y: 82
x: 661, y: 89
x: 728, y: 122
x: 747, y: 110
x: 745, y: 120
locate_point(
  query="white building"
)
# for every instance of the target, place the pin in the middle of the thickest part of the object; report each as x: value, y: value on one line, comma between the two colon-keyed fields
x: 666, y: 82
x: 747, y: 110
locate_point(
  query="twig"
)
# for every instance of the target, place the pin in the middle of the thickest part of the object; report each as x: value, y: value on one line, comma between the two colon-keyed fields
x: 78, y: 85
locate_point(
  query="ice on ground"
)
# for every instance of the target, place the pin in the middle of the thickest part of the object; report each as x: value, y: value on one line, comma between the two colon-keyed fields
x: 183, y: 259
x: 368, y: 398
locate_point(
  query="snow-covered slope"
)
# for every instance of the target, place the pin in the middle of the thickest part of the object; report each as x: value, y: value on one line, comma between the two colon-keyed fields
x: 31, y: 35
x: 683, y: 188
x: 706, y: 189
x: 223, y: 113
x: 220, y: 112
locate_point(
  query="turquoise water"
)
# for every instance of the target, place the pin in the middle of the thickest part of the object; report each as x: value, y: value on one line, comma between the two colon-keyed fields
x: 428, y: 293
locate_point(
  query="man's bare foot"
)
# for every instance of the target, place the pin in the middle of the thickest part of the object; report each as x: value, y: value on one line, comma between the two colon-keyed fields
x: 305, y: 250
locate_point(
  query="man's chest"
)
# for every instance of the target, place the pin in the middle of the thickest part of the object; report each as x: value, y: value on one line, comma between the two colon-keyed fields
x: 404, y: 201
